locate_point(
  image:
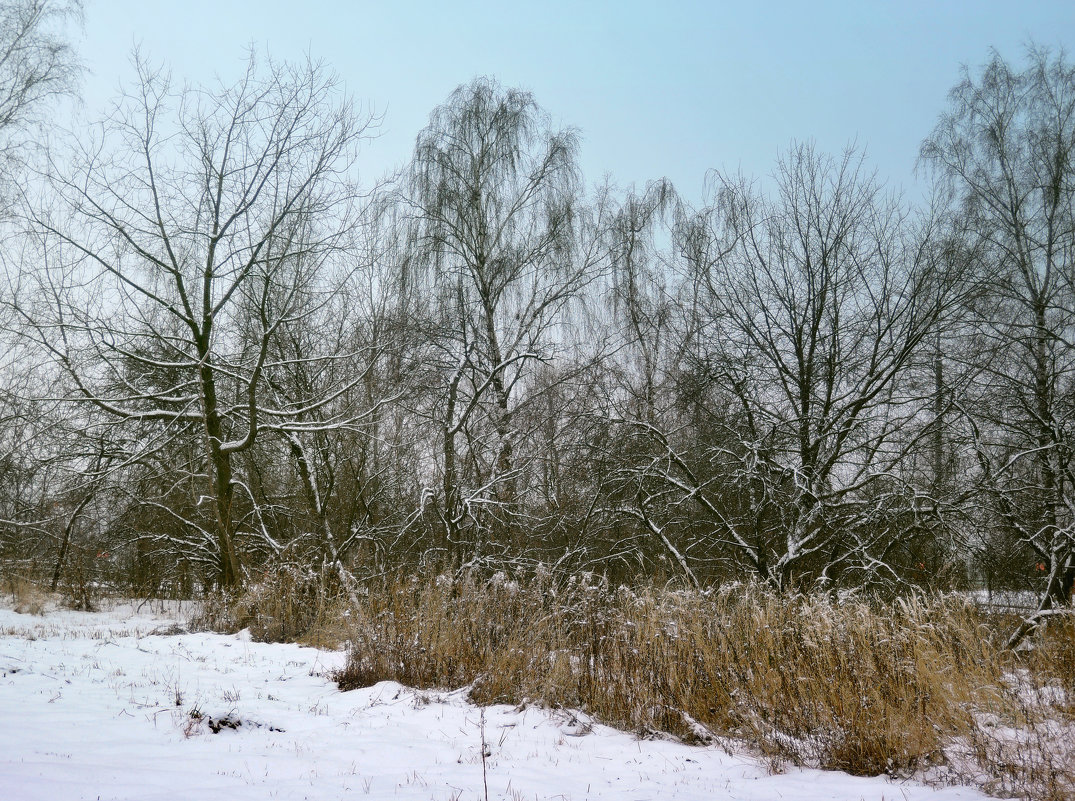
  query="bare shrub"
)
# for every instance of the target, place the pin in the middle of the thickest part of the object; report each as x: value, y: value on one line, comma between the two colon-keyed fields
x: 80, y: 583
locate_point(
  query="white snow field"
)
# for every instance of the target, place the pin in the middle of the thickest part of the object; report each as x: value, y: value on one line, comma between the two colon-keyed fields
x: 112, y: 706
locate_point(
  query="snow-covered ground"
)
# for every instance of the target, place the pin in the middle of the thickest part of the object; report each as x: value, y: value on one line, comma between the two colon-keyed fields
x: 116, y: 705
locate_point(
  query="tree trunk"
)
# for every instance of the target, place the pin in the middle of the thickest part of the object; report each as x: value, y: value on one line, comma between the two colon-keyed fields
x: 220, y: 475
x: 65, y: 544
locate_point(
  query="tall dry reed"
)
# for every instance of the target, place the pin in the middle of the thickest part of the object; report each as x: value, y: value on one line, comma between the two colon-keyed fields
x: 854, y: 684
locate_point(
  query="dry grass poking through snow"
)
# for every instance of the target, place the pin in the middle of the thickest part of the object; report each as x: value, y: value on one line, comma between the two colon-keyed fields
x: 289, y: 603
x: 912, y: 686
x: 26, y: 597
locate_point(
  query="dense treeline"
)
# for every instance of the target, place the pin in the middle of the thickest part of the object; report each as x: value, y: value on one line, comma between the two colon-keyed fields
x: 222, y: 352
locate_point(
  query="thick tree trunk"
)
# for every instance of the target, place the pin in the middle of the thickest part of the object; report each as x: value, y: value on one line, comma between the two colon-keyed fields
x: 229, y: 574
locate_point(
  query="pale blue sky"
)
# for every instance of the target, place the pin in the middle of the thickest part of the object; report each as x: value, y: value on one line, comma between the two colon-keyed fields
x: 657, y: 89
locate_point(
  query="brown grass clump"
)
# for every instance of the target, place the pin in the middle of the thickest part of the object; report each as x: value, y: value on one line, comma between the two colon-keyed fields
x: 915, y: 685
x: 287, y: 603
x: 27, y: 597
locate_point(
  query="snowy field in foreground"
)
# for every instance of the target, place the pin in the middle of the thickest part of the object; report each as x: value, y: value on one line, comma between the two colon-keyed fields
x: 110, y: 706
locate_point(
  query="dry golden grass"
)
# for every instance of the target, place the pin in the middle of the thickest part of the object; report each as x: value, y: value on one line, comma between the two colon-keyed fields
x: 914, y: 685
x: 26, y: 595
x: 911, y: 686
x: 288, y: 603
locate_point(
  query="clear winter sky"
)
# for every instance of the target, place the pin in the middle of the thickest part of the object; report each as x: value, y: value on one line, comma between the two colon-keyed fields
x: 670, y: 88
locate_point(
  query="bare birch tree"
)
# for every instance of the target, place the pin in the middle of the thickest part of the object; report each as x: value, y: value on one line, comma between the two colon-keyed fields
x: 496, y: 199
x: 37, y: 63
x: 1006, y: 149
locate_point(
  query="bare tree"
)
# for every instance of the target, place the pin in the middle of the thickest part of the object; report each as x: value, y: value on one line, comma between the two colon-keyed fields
x: 807, y: 310
x: 199, y: 229
x: 642, y: 292
x: 37, y: 65
x: 1006, y: 149
x: 37, y: 62
x: 497, y: 205
x: 355, y: 351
